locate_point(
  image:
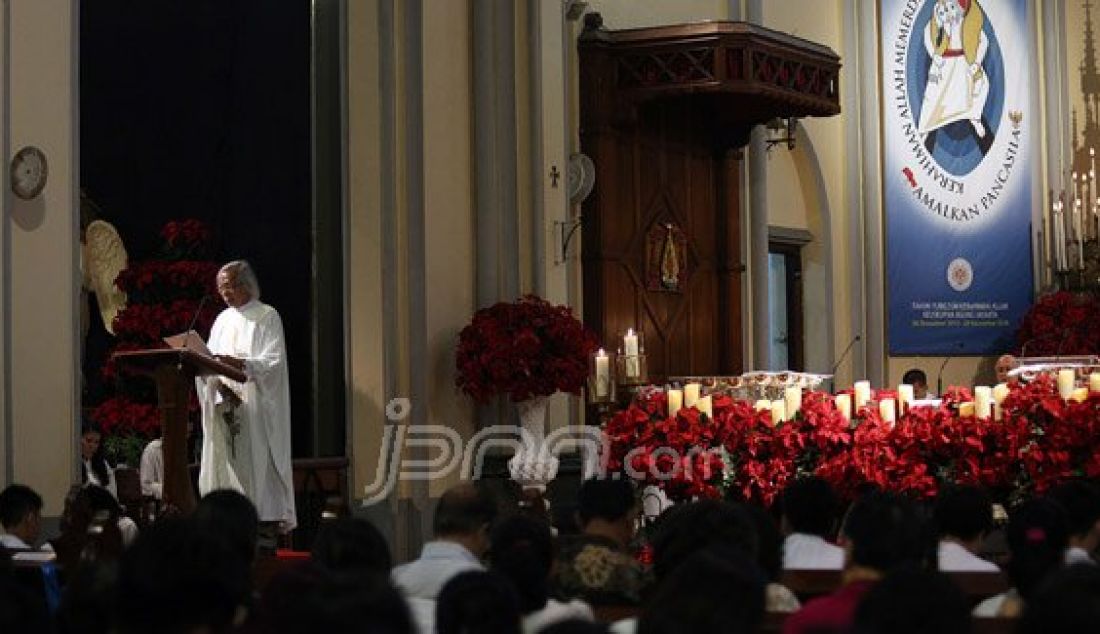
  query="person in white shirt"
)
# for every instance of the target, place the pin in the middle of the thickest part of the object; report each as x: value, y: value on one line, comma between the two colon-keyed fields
x: 21, y: 517
x: 461, y: 531
x: 1081, y: 502
x: 152, y: 469
x: 246, y: 426
x: 809, y: 513
x: 963, y: 516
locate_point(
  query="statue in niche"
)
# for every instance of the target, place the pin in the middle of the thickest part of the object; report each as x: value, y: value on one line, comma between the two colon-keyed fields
x: 666, y: 258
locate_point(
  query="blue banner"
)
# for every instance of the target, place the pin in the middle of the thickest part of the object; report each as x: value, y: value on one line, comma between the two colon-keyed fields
x: 956, y: 173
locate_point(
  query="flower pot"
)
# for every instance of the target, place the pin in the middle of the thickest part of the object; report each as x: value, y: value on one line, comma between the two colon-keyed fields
x: 532, y: 466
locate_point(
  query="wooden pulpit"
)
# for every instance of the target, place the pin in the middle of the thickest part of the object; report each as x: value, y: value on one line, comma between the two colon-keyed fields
x: 174, y: 371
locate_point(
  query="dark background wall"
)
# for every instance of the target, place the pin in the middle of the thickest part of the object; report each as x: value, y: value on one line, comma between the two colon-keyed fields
x: 201, y: 109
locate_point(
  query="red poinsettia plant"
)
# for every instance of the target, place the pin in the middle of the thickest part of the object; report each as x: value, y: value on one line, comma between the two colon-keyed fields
x: 163, y: 296
x: 1040, y: 441
x: 1060, y: 323
x: 524, y: 349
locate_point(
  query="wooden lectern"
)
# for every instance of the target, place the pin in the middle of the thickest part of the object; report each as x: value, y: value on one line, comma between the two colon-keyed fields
x: 174, y: 371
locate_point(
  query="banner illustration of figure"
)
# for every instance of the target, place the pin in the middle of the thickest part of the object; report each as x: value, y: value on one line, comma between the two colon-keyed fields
x: 957, y: 87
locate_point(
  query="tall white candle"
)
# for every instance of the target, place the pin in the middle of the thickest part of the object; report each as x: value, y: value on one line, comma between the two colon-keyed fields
x: 1073, y: 183
x: 1065, y: 383
x: 1000, y: 391
x: 862, y: 393
x: 603, y: 374
x: 691, y: 394
x: 1094, y: 382
x: 886, y: 410
x: 905, y: 397
x: 762, y: 405
x: 630, y: 354
x: 844, y: 405
x: 779, y: 412
x: 705, y: 406
x: 792, y: 397
x: 675, y: 402
x: 983, y: 401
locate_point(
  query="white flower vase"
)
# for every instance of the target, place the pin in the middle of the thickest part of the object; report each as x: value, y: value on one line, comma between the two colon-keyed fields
x: 533, y: 467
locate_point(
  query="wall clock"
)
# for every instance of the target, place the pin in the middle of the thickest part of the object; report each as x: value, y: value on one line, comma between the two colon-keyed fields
x: 28, y: 172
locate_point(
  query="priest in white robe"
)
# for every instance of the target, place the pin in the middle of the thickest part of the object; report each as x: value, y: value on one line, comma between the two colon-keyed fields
x: 246, y: 426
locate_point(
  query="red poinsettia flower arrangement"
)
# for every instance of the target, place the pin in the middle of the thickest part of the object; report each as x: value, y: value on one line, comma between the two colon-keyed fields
x: 1060, y: 323
x: 524, y: 349
x: 1040, y: 441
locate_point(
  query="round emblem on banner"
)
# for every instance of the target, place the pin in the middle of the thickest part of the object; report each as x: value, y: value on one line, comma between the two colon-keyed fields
x: 960, y: 275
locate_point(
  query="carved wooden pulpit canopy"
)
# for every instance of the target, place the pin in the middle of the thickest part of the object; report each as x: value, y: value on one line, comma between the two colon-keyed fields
x: 741, y: 73
x: 665, y: 112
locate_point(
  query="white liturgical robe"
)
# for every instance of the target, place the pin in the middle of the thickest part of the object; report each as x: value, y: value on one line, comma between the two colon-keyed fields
x: 256, y: 460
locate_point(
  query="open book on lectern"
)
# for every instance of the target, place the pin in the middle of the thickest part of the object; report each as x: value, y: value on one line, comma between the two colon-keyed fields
x: 189, y: 340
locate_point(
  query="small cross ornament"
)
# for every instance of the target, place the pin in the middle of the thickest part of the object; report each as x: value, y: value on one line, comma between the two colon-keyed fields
x: 230, y: 416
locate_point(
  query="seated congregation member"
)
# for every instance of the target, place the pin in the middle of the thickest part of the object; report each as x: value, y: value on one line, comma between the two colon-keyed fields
x: 177, y: 578
x: 95, y: 470
x: 963, y: 515
x: 882, y: 533
x: 522, y: 550
x: 1081, y: 502
x: 595, y: 566
x: 809, y: 511
x: 307, y: 598
x: 461, y: 538
x: 152, y: 469
x: 352, y: 544
x: 686, y: 529
x: 919, y: 380
x: 770, y: 560
x: 716, y: 590
x: 1037, y: 535
x: 477, y: 601
x: 913, y: 601
x: 231, y: 517
x: 21, y: 518
x: 1068, y: 601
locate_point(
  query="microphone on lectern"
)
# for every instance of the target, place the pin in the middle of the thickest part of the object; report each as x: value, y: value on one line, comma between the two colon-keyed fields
x: 844, y: 355
x: 195, y: 317
x: 939, y: 375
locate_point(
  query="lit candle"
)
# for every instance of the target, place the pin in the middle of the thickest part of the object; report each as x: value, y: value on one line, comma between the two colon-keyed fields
x: 762, y: 405
x: 1094, y: 382
x: 844, y: 405
x: 675, y: 402
x: 792, y: 396
x: 1000, y: 391
x: 603, y: 374
x: 966, y: 409
x: 1073, y: 183
x: 630, y: 352
x: 886, y: 410
x: 1080, y: 394
x: 705, y: 406
x: 779, y: 412
x: 983, y: 401
x: 862, y: 393
x: 905, y: 397
x: 691, y: 394
x: 1065, y: 383
x: 1077, y: 214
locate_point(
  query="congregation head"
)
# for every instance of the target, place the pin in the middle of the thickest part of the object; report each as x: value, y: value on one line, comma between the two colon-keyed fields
x: 21, y: 512
x: 610, y: 503
x: 964, y: 512
x: 809, y: 506
x: 464, y: 510
x: 229, y: 516
x: 687, y: 528
x: 884, y: 531
x: 349, y: 544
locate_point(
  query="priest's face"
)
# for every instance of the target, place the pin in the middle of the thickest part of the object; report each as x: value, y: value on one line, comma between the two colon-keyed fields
x: 232, y: 291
